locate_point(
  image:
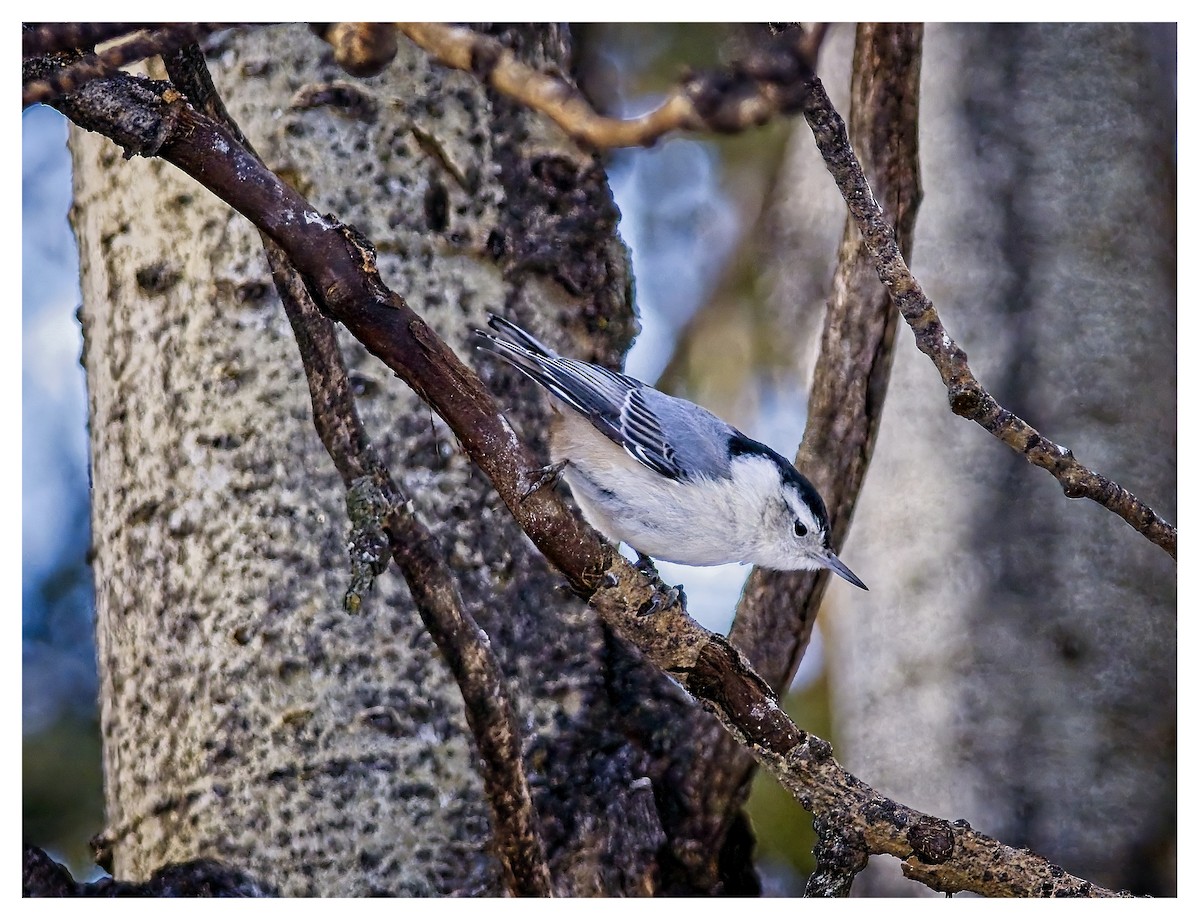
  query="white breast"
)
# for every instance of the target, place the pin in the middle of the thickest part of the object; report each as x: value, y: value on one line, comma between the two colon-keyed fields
x: 700, y: 523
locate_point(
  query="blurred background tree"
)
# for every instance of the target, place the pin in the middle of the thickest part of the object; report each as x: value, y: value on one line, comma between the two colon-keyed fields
x: 1011, y: 663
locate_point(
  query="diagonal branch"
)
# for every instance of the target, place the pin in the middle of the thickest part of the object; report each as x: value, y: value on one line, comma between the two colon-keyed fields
x: 967, y: 396
x: 47, y: 37
x: 338, y: 267
x: 78, y: 71
x: 850, y: 379
x: 781, y: 80
x: 374, y: 495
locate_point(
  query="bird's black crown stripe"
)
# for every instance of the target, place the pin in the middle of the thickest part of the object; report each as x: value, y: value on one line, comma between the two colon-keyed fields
x: 740, y: 446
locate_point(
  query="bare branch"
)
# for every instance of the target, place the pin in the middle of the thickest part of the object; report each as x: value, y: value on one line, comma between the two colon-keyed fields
x: 374, y: 495
x: 841, y: 855
x: 75, y: 74
x: 48, y: 37
x: 415, y: 549
x: 338, y: 265
x: 857, y: 343
x: 748, y: 93
x: 967, y: 396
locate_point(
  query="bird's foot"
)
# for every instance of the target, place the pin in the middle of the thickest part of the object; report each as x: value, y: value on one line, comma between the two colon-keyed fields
x: 645, y: 565
x: 661, y: 601
x: 547, y: 476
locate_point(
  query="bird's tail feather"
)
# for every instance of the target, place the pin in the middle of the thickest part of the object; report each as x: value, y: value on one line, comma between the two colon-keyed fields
x: 517, y: 347
x: 511, y: 333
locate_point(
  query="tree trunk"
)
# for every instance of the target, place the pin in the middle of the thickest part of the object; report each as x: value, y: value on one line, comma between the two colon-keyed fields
x: 1015, y: 661
x: 246, y: 716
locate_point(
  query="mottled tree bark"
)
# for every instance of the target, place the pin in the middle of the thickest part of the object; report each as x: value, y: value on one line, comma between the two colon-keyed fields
x: 246, y: 716
x: 484, y: 204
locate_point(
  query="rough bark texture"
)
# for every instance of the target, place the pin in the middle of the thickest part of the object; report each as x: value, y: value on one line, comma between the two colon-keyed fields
x: 612, y: 854
x: 1015, y: 660
x: 247, y: 717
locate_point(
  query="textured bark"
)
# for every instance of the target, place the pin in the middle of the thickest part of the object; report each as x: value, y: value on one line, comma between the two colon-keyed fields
x: 1003, y: 665
x: 717, y: 673
x: 383, y: 517
x: 245, y: 716
x: 43, y: 878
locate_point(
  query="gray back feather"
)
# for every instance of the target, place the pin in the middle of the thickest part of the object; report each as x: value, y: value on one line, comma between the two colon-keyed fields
x: 633, y: 415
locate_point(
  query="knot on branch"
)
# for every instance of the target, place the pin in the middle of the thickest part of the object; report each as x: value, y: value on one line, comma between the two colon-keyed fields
x: 966, y: 399
x: 723, y: 101
x: 818, y: 749
x: 775, y: 77
x: 932, y: 841
x: 362, y: 251
x: 138, y: 114
x: 361, y: 49
x: 1075, y: 485
x: 368, y: 544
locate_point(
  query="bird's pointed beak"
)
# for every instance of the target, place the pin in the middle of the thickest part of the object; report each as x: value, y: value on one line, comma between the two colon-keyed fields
x: 833, y: 563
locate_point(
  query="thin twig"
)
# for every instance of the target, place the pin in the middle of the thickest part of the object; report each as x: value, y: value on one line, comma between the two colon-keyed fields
x: 841, y: 855
x: 416, y: 551
x: 414, y: 548
x: 850, y: 379
x: 337, y: 263
x: 48, y: 37
x: 745, y: 94
x: 967, y: 396
x: 70, y: 78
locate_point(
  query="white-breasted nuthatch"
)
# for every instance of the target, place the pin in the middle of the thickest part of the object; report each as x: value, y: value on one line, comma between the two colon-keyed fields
x: 666, y: 476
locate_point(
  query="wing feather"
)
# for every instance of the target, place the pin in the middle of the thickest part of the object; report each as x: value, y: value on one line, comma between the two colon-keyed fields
x: 615, y: 405
x: 613, y: 402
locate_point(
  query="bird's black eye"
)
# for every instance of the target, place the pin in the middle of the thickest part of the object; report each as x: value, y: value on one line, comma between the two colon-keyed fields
x: 800, y: 529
